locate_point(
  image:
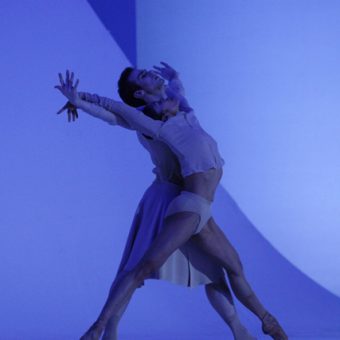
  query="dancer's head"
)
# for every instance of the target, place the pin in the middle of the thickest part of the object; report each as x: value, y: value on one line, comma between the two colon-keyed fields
x: 139, y: 87
x: 162, y: 109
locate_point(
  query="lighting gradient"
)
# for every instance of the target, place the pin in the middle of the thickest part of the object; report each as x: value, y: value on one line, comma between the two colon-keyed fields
x: 69, y: 190
x: 264, y: 79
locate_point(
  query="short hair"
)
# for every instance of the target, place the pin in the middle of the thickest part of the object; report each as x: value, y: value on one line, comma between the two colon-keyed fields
x: 126, y: 89
x: 149, y: 111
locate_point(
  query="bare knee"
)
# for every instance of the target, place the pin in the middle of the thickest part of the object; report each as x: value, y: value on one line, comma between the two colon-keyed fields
x: 219, y: 284
x: 235, y: 268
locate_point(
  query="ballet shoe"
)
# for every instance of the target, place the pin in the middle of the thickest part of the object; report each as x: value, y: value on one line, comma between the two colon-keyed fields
x: 271, y: 326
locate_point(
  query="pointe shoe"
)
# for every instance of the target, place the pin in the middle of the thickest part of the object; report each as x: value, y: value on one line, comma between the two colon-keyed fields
x: 272, y: 327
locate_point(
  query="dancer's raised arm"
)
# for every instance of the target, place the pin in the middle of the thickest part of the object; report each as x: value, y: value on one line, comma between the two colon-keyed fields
x: 175, y: 87
x: 107, y: 104
x: 104, y: 102
x: 136, y: 119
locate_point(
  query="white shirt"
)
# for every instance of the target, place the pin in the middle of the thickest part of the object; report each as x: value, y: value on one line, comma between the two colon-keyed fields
x: 167, y: 167
x: 195, y: 149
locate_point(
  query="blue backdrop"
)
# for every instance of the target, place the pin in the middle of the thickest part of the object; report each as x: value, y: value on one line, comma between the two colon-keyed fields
x: 263, y: 77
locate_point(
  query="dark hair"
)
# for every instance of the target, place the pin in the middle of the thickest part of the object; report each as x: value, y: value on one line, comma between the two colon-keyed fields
x: 126, y: 89
x: 149, y: 111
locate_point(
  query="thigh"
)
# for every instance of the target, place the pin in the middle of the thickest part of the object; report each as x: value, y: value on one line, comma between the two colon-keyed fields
x: 177, y: 229
x: 214, y: 242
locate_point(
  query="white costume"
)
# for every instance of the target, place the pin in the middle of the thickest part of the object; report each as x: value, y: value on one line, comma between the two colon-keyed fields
x: 188, y: 265
x: 195, y: 149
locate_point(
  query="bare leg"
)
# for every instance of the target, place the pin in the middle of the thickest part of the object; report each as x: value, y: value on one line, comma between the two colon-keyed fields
x: 111, y: 326
x: 111, y: 329
x: 177, y: 229
x: 220, y: 298
x: 214, y: 242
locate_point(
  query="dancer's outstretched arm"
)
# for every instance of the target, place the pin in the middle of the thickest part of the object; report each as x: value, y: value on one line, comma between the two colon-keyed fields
x: 174, y: 89
x: 107, y: 104
x: 136, y: 119
x: 98, y: 100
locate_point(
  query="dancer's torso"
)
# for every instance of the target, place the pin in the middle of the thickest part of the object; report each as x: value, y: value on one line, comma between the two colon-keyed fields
x: 197, y: 152
x: 167, y: 167
x: 195, y: 149
x: 203, y: 183
x: 189, y: 151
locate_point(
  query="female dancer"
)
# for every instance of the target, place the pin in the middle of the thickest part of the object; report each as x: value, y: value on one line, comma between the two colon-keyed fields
x: 187, y: 214
x: 187, y: 266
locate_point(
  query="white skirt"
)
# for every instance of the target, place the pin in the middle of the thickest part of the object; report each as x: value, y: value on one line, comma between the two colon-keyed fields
x: 188, y: 265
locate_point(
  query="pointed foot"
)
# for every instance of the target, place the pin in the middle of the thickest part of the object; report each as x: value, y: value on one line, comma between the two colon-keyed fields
x: 272, y: 327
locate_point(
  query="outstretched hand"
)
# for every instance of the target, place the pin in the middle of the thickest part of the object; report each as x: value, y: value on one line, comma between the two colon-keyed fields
x: 166, y: 72
x: 67, y: 88
x: 72, y: 113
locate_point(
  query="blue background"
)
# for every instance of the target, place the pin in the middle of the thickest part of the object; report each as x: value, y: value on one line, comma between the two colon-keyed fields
x: 263, y: 77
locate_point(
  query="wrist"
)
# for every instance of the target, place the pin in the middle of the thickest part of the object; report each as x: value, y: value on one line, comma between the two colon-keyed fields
x: 76, y: 101
x: 81, y: 95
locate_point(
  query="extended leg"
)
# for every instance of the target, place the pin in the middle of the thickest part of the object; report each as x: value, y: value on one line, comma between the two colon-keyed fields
x: 214, y: 242
x: 111, y: 329
x: 177, y: 229
x: 221, y: 299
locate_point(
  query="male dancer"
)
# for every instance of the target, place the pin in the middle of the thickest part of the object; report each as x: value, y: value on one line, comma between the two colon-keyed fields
x: 240, y: 286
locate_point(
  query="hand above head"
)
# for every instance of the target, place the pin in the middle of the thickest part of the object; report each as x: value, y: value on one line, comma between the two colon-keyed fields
x: 67, y: 88
x: 72, y: 113
x: 166, y: 72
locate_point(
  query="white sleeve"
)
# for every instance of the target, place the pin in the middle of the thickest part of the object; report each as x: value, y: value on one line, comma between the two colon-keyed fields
x: 106, y: 104
x: 136, y: 119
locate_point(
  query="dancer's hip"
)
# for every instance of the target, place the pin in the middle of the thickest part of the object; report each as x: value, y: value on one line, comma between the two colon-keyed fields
x: 189, y: 201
